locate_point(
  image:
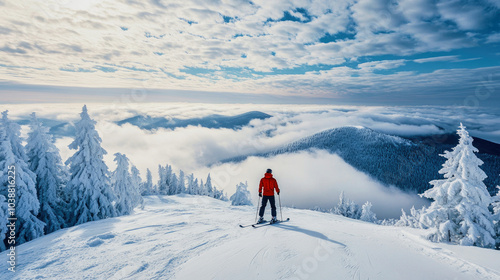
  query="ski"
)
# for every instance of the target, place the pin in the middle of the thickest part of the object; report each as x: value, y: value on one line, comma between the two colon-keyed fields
x: 268, y: 224
x: 244, y: 226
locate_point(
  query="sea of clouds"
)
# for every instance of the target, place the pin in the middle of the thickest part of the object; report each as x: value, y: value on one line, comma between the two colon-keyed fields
x: 308, y: 179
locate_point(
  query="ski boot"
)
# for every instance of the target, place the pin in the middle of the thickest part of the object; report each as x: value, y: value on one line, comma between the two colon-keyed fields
x: 273, y: 220
x: 261, y: 220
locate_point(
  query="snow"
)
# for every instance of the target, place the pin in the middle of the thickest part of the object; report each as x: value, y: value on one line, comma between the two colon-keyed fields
x: 197, y: 237
x: 459, y: 212
x: 241, y: 196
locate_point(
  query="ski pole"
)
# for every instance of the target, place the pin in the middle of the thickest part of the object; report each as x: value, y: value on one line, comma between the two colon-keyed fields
x: 281, y: 211
x: 258, y: 204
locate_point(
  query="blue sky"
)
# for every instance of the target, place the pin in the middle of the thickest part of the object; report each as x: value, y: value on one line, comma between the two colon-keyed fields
x: 406, y: 52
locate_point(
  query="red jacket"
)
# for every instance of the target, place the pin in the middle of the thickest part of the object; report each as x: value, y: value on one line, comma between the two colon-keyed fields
x: 269, y: 184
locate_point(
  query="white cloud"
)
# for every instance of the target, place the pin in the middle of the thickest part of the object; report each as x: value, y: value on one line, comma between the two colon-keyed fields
x: 493, y: 38
x: 381, y: 65
x: 309, y: 179
x: 467, y: 15
x: 437, y: 58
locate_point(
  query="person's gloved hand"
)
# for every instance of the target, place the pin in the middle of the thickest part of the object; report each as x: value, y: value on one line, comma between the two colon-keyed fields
x: 260, y: 194
x: 278, y: 193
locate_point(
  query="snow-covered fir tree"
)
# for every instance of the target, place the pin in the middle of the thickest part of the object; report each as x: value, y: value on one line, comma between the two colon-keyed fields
x: 174, y: 183
x: 165, y: 186
x: 148, y: 185
x: 89, y: 183
x: 4, y: 145
x: 12, y: 153
x: 168, y: 179
x: 496, y: 217
x: 366, y: 213
x: 346, y: 208
x: 181, y: 186
x: 202, y: 188
x: 411, y: 220
x: 241, y: 196
x: 190, y: 189
x: 459, y: 211
x: 208, y: 186
x: 46, y: 163
x: 196, y: 187
x: 219, y: 194
x: 136, y: 178
x: 162, y: 180
x: 127, y: 194
x: 4, y: 215
x: 13, y: 135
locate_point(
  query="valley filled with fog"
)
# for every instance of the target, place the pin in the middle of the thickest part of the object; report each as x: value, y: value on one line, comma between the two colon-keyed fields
x: 200, y: 138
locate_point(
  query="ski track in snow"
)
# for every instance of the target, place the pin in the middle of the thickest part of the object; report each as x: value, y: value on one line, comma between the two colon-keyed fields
x: 190, y: 237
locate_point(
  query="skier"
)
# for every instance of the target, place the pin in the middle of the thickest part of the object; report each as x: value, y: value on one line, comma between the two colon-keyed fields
x: 268, y: 183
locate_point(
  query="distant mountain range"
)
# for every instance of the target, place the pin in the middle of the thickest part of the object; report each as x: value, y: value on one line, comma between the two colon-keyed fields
x: 407, y: 163
x: 56, y: 128
x: 67, y: 129
x: 211, y: 121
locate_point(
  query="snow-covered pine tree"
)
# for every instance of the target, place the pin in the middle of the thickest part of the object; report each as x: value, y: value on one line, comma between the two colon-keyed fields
x: 4, y: 215
x: 138, y: 184
x: 3, y: 189
x: 223, y: 196
x: 136, y: 178
x: 190, y: 184
x: 46, y: 163
x: 217, y: 193
x: 127, y: 195
x: 203, y: 190
x: 174, y: 184
x: 496, y: 217
x: 208, y: 186
x: 148, y: 185
x: 12, y: 153
x: 347, y: 208
x: 366, y: 213
x: 459, y: 212
x: 168, y: 178
x: 181, y: 187
x: 13, y: 135
x: 162, y: 180
x: 196, y: 187
x: 412, y: 220
x: 89, y: 183
x: 241, y: 196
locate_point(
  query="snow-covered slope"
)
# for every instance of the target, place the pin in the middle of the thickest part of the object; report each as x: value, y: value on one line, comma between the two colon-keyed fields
x: 190, y: 237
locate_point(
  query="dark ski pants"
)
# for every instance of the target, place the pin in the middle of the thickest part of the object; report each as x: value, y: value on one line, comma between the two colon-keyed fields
x: 264, y: 203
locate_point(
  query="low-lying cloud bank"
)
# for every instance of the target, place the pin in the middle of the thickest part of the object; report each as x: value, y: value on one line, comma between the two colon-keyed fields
x: 298, y: 120
x: 315, y: 178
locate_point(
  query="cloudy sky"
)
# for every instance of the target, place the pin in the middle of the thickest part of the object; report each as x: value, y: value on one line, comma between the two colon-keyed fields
x: 406, y: 52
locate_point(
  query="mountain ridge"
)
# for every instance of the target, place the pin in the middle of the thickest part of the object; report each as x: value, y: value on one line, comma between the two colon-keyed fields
x: 407, y: 163
x: 211, y: 121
